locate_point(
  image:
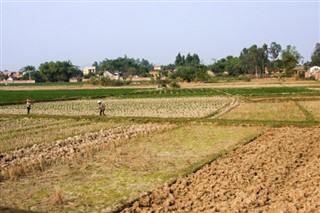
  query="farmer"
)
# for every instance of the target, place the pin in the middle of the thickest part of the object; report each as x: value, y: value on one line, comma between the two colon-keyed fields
x: 28, y: 105
x: 102, y: 107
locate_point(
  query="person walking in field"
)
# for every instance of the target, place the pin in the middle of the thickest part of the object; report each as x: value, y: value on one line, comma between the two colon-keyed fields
x: 102, y: 107
x: 28, y: 104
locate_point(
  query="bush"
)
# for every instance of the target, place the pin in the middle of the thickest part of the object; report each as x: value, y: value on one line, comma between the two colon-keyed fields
x: 105, y: 81
x: 174, y: 84
x: 94, y: 81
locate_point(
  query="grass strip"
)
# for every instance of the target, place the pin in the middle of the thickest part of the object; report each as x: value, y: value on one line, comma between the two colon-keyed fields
x: 308, y: 115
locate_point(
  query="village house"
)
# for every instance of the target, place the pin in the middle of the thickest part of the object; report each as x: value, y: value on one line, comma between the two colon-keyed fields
x: 298, y: 70
x: 117, y: 75
x: 211, y: 73
x: 156, y: 72
x: 313, y: 71
x: 88, y: 70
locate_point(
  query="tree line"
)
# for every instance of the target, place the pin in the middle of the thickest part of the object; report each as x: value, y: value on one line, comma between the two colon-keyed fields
x: 253, y: 61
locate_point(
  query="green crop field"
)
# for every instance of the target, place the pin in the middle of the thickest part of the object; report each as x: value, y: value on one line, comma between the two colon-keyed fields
x: 19, y: 96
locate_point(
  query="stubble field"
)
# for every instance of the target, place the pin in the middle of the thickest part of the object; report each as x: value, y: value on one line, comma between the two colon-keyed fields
x: 226, y: 152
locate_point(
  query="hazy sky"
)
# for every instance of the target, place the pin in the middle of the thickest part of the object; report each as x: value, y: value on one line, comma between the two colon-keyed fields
x: 34, y: 32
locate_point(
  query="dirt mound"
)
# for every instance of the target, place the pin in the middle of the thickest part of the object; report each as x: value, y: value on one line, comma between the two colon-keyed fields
x: 278, y: 172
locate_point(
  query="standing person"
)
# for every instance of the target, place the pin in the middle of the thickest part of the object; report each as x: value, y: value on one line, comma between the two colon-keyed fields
x: 102, y: 107
x: 28, y: 104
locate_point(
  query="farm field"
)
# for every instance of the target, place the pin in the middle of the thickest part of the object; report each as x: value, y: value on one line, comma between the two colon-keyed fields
x: 183, y: 150
x: 147, y: 107
x: 122, y: 169
x: 278, y: 172
x: 312, y: 107
x: 274, y: 111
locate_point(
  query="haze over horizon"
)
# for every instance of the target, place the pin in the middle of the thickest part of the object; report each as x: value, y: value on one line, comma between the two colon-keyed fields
x: 34, y: 32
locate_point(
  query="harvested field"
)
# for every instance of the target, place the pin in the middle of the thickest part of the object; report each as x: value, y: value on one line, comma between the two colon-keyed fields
x: 278, y: 172
x: 148, y: 107
x: 38, y: 155
x: 120, y: 171
x: 276, y: 111
x: 17, y: 133
x: 313, y: 107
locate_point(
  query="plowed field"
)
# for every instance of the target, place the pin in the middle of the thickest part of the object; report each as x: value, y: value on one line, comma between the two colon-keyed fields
x: 278, y: 172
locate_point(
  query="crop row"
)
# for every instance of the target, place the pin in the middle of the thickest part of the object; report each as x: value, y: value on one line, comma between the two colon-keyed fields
x: 17, y: 133
x: 148, y: 107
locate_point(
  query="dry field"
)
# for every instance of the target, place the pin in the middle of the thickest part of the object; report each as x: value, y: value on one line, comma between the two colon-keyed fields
x: 121, y: 167
x: 272, y: 111
x: 254, y: 83
x: 278, y: 172
x: 313, y: 107
x: 22, y: 132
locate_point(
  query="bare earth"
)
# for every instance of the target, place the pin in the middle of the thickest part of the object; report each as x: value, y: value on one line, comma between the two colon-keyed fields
x: 278, y: 172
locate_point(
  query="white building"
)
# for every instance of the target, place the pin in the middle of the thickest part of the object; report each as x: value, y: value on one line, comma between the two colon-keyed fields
x: 313, y: 71
x: 88, y: 70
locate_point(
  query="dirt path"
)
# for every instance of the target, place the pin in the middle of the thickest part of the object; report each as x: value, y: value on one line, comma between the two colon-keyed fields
x: 278, y: 172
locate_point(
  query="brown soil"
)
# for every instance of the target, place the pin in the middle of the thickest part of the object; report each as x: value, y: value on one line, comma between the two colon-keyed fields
x: 278, y: 172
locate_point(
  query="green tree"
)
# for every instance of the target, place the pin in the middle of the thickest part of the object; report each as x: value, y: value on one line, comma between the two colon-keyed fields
x: 191, y: 73
x: 201, y: 73
x: 185, y: 73
x: 230, y: 64
x: 274, y: 53
x: 58, y: 71
x: 179, y: 60
x: 262, y: 58
x: 274, y: 50
x: 248, y: 60
x: 189, y: 60
x: 195, y: 59
x: 254, y: 60
x: 28, y: 71
x: 3, y: 76
x: 315, y: 58
x: 28, y: 68
x: 290, y: 59
x: 127, y: 66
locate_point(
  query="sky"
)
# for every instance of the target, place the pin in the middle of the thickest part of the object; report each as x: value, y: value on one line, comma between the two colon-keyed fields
x: 38, y: 31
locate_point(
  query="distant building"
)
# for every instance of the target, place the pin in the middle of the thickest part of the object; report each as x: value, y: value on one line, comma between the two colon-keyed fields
x: 154, y: 73
x: 313, y: 71
x: 211, y: 73
x: 88, y: 70
x: 157, y: 68
x: 298, y: 69
x: 117, y: 75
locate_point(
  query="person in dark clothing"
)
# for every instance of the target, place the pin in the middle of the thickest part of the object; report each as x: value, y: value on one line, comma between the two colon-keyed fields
x: 28, y: 104
x: 102, y: 108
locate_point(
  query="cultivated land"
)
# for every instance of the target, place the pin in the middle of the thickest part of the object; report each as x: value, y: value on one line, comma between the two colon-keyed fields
x: 233, y: 146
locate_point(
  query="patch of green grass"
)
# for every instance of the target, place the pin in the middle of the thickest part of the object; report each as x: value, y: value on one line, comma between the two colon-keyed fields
x: 19, y: 96
x: 270, y: 91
